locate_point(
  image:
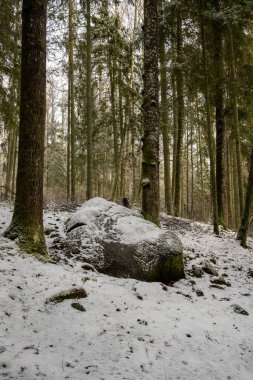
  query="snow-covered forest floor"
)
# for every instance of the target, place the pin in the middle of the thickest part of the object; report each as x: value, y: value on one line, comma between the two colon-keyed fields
x: 196, y: 329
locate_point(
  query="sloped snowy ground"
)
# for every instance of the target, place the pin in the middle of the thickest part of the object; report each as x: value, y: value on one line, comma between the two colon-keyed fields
x: 130, y: 329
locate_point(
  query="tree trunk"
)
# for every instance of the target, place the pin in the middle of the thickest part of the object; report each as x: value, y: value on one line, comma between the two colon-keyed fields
x: 150, y: 161
x: 165, y: 120
x: 72, y: 105
x: 209, y: 136
x: 89, y: 105
x: 236, y: 127
x: 220, y: 119
x: 244, y: 226
x: 180, y: 115
x: 27, y: 220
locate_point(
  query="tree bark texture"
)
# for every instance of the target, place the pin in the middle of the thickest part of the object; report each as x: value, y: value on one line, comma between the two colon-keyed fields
x: 165, y: 120
x: 236, y: 127
x: 27, y: 221
x: 180, y: 116
x: 150, y: 161
x: 72, y: 105
x: 89, y: 105
x: 209, y: 134
x: 244, y: 226
x: 220, y: 119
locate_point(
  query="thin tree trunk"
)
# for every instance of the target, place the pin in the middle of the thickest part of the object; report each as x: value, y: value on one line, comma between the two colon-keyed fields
x: 236, y: 127
x: 165, y: 128
x: 72, y: 104
x: 89, y: 104
x: 220, y: 118
x: 180, y: 115
x: 209, y: 134
x: 244, y: 226
x: 68, y: 145
x: 203, y: 206
x: 115, y: 130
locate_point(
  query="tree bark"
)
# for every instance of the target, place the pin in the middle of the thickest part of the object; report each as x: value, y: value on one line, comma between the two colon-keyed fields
x: 27, y: 220
x: 150, y: 161
x: 244, y: 226
x: 72, y: 106
x: 165, y: 120
x: 209, y: 135
x: 219, y: 105
x: 180, y: 116
x: 89, y: 105
x: 236, y: 127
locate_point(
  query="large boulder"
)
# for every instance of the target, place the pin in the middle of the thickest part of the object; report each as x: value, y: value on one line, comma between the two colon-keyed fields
x: 118, y: 241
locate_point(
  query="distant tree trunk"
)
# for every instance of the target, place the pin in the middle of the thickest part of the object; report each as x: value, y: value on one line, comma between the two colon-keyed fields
x: 236, y: 127
x: 175, y: 129
x: 244, y: 226
x: 89, y: 105
x: 187, y: 167
x: 203, y: 206
x: 209, y: 136
x: 27, y: 220
x: 150, y: 161
x: 165, y: 120
x: 72, y: 105
x: 220, y: 119
x: 115, y: 129
x: 180, y: 115
x: 68, y: 146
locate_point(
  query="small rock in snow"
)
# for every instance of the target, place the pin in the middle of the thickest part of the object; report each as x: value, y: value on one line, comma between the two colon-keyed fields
x: 239, y: 310
x: 209, y: 268
x: 220, y: 281
x: 199, y: 292
x: 250, y: 273
x: 87, y: 266
x: 216, y: 286
x: 197, y: 271
x: 78, y: 306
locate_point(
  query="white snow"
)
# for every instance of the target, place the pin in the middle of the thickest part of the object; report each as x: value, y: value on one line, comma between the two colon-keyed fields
x: 169, y: 334
x: 128, y: 223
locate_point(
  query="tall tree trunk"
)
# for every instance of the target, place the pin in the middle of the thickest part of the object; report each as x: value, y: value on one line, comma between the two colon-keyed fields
x: 180, y: 115
x: 244, y: 226
x: 236, y: 127
x: 89, y: 105
x: 220, y: 118
x: 27, y: 220
x: 68, y: 146
x: 72, y: 105
x: 115, y: 129
x: 209, y: 135
x: 150, y: 161
x: 164, y: 119
x: 175, y: 129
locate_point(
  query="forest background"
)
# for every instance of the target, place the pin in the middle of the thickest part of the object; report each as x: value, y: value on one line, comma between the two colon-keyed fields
x: 94, y: 123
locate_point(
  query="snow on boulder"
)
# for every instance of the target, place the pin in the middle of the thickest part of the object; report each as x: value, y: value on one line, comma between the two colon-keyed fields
x: 118, y: 241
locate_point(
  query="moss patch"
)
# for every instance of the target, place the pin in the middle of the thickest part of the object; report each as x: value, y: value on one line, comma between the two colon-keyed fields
x: 73, y: 293
x: 171, y: 269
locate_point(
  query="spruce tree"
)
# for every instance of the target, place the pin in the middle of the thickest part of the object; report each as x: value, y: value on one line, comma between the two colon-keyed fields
x: 27, y: 220
x: 150, y: 162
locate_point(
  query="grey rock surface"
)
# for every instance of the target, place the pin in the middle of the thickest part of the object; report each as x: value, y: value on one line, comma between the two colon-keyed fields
x: 118, y: 241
